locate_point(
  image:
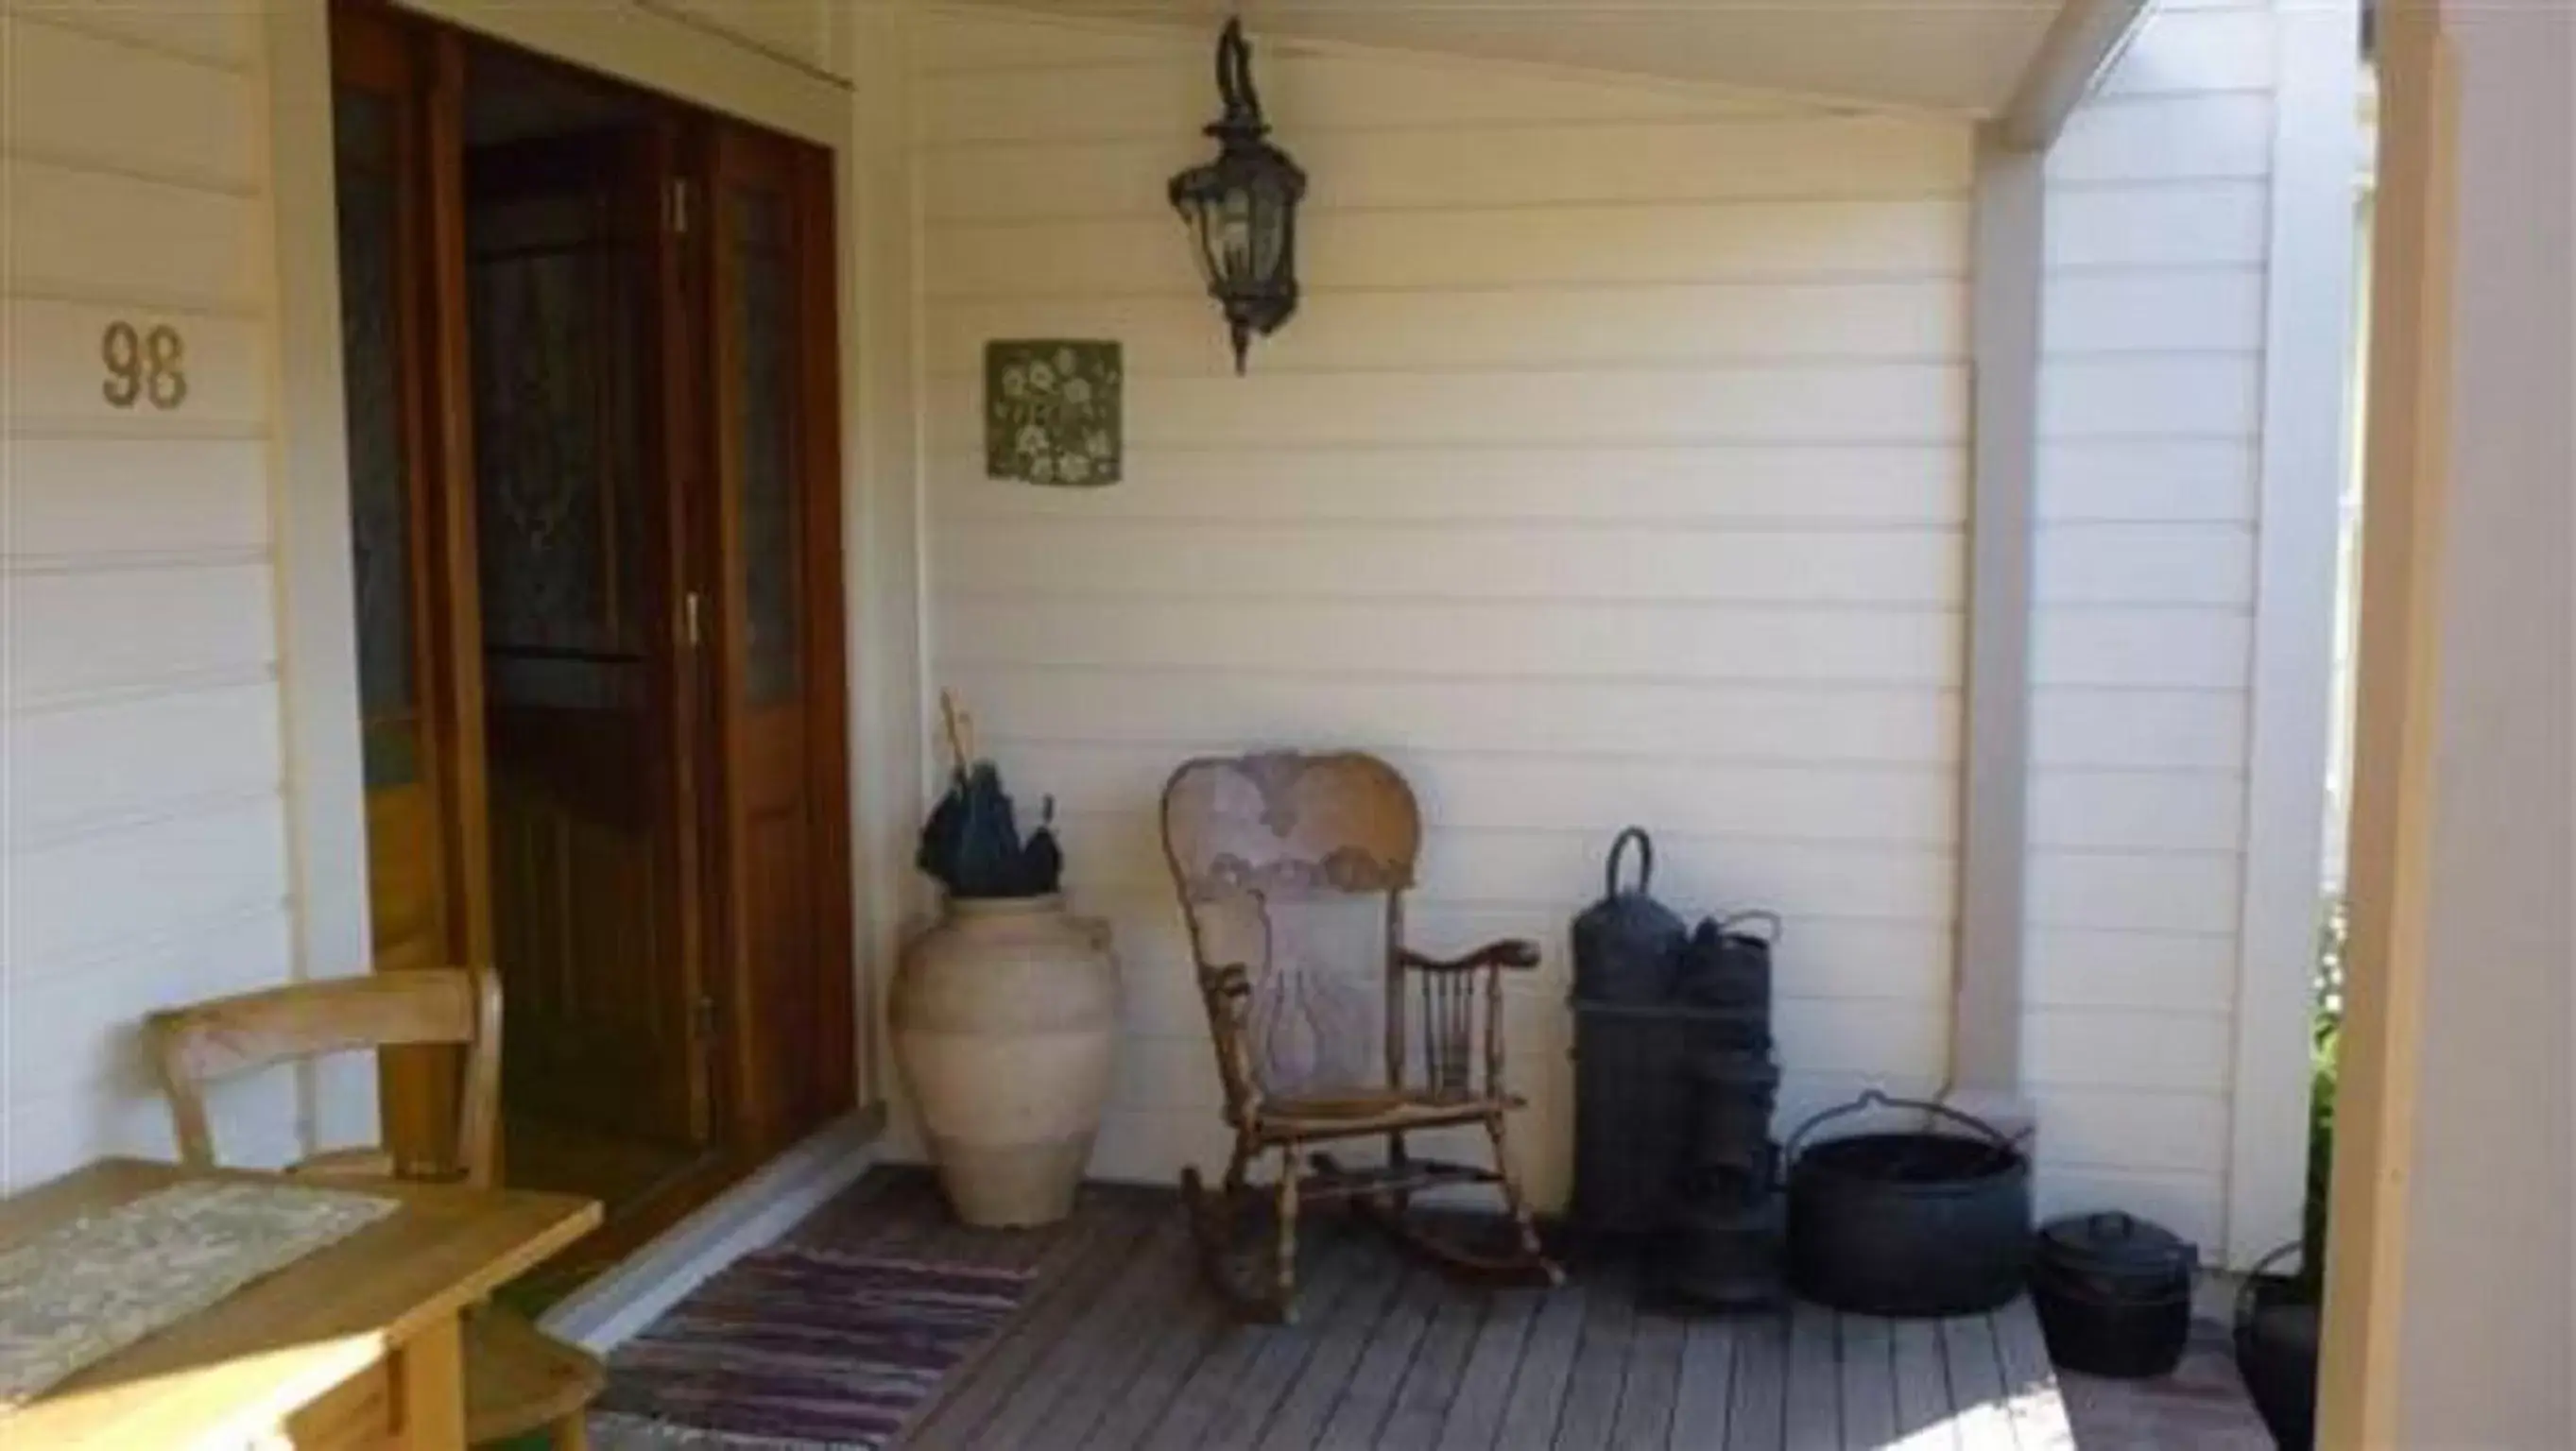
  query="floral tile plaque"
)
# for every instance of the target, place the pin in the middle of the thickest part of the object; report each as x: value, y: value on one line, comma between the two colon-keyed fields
x: 1052, y: 411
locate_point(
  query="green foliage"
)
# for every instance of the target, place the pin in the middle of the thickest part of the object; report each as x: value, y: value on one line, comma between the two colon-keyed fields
x: 2325, y: 1043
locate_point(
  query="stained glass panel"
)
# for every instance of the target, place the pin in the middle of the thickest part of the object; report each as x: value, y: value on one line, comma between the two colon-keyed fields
x: 371, y: 364
x: 554, y: 423
x: 767, y: 498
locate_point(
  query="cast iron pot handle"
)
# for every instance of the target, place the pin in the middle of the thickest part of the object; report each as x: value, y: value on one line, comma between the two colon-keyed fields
x: 1646, y: 867
x: 2254, y: 1277
x: 1873, y: 1098
x: 1770, y: 920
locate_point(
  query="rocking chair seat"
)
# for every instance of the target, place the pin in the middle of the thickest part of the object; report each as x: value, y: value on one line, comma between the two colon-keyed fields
x: 1374, y: 1113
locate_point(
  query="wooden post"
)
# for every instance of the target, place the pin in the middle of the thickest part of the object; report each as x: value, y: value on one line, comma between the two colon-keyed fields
x: 2393, y: 799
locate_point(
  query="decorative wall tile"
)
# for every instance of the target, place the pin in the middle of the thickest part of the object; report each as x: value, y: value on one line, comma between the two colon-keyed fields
x: 1052, y: 411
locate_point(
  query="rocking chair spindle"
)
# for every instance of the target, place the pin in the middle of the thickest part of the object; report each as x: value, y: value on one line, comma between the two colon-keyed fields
x: 1292, y: 870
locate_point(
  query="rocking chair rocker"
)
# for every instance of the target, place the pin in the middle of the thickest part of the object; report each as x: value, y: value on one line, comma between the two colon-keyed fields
x: 1292, y: 870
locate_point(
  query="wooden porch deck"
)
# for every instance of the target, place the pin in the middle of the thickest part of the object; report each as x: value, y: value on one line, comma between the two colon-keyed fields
x: 1120, y: 1347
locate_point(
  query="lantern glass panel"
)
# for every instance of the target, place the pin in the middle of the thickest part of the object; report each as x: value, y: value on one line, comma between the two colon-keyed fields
x: 1269, y: 228
x: 1234, y: 235
x: 1197, y: 215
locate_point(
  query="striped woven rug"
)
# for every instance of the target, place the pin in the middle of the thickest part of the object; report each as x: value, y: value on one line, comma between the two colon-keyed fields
x: 799, y: 1346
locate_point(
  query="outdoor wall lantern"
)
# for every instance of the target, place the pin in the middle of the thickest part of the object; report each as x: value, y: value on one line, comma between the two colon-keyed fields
x: 1241, y: 208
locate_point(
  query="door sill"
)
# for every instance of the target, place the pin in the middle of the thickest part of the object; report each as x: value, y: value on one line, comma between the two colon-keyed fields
x: 630, y: 1294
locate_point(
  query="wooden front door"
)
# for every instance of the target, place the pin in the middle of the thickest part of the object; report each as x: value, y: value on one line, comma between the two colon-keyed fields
x: 779, y: 680
x: 586, y: 729
x: 593, y: 417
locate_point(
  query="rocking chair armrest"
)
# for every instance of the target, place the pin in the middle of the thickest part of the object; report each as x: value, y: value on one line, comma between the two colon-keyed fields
x: 1516, y: 953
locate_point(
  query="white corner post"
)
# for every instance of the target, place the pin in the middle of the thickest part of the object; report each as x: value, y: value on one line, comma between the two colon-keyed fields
x: 2307, y: 351
x: 317, y: 621
x: 2004, y: 322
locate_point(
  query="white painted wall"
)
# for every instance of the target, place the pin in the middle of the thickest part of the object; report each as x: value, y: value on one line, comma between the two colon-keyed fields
x: 146, y: 857
x: 2162, y: 200
x: 1613, y: 470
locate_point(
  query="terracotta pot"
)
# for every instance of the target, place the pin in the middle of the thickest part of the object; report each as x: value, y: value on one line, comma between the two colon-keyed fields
x: 1005, y: 1016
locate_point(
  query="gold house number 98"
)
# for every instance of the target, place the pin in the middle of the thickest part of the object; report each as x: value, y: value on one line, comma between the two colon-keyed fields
x: 144, y: 366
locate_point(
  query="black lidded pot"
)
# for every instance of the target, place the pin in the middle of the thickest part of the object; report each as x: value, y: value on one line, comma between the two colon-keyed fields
x: 2113, y: 1293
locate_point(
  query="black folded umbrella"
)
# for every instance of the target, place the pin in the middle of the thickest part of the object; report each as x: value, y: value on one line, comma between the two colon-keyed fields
x: 1042, y: 861
x: 971, y: 843
x: 988, y: 840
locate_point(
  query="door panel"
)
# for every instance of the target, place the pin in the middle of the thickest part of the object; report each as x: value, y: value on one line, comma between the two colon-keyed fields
x: 779, y: 672
x: 562, y: 293
x: 415, y: 762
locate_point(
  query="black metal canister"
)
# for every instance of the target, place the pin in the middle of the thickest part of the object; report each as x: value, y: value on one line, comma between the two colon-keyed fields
x: 2113, y: 1293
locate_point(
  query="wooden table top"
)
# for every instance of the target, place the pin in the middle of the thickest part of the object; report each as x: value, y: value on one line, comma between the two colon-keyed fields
x: 232, y: 1372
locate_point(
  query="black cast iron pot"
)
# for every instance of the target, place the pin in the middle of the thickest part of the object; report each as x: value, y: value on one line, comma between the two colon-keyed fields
x: 2277, y: 1327
x: 1908, y: 1224
x: 2114, y: 1294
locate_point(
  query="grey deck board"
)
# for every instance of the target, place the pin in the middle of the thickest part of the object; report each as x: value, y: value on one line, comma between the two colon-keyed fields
x: 1298, y: 1420
x: 1976, y: 1385
x: 1922, y: 1386
x: 1868, y: 1382
x: 1600, y: 1369
x: 1368, y: 1398
x: 1707, y: 1384
x: 1813, y: 1415
x: 1059, y: 1300
x: 1422, y: 1401
x: 1197, y: 1399
x: 2030, y: 1382
x: 1653, y: 1383
x: 1092, y: 1347
x: 1271, y: 1356
x: 1485, y: 1386
x: 1538, y: 1390
x: 1177, y: 1348
x: 1119, y: 1346
x: 1753, y: 1418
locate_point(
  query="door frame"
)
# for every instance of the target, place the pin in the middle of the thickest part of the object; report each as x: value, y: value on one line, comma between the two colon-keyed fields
x: 322, y: 757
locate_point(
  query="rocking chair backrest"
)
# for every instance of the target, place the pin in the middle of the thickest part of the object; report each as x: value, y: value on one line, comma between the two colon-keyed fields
x: 1292, y: 867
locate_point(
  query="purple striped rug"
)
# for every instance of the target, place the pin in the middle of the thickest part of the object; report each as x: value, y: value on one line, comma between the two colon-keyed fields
x: 798, y: 1346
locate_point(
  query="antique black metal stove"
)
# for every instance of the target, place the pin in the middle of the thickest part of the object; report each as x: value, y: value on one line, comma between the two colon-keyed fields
x: 1674, y: 1095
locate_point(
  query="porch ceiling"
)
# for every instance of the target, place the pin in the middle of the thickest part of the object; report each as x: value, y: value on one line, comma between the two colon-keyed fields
x: 1952, y: 55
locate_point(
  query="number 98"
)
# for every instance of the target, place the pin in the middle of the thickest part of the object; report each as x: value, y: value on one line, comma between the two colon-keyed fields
x: 144, y: 366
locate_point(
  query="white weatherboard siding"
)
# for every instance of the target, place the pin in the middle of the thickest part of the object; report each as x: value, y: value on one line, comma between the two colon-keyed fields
x: 2149, y: 499
x: 145, y: 852
x: 1613, y: 470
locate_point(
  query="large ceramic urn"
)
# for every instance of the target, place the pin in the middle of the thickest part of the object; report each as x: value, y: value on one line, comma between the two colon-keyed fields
x: 1005, y: 1016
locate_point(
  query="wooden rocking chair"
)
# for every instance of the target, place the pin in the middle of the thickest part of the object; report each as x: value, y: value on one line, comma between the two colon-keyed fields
x: 1292, y: 871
